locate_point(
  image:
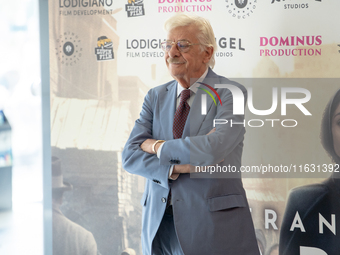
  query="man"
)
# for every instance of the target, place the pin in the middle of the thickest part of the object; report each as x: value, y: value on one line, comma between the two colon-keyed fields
x: 68, y: 237
x: 183, y: 215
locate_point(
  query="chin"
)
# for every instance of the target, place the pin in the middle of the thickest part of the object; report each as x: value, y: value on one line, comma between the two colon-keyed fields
x: 176, y: 76
x: 176, y: 73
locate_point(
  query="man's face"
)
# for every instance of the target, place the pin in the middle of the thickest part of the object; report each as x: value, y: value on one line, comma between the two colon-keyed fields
x: 190, y: 64
x: 336, y: 130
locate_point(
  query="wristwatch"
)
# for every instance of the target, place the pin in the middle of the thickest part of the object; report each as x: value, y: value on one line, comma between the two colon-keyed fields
x: 154, y: 145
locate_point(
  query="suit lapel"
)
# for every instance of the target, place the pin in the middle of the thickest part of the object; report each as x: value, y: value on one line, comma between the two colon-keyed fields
x: 195, y: 118
x: 167, y: 108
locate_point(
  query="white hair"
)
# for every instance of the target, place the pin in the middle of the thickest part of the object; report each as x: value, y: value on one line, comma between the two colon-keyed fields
x: 206, y: 35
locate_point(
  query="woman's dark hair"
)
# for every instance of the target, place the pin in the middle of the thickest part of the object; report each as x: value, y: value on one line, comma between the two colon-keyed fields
x: 326, y: 127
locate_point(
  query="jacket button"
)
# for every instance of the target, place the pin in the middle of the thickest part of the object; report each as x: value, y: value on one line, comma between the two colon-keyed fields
x: 163, y: 199
x: 174, y: 161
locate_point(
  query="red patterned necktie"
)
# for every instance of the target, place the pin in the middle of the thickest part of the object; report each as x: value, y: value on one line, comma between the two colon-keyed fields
x: 181, y: 114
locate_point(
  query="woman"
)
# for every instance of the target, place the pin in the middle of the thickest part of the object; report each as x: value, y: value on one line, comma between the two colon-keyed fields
x: 303, y: 229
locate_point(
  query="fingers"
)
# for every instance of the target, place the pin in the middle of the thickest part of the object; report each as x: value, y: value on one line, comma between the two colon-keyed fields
x: 147, y: 145
x: 181, y: 169
x: 212, y: 131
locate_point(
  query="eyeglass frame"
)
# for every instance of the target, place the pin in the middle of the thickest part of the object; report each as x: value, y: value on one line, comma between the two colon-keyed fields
x: 177, y: 43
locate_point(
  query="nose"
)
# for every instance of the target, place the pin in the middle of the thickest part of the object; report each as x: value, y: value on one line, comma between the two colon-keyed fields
x: 174, y: 52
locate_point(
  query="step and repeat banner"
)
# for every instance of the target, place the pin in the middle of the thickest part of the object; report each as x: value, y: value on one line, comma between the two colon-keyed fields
x: 104, y: 57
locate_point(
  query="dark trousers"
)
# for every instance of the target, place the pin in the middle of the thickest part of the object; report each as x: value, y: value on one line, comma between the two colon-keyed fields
x: 166, y: 241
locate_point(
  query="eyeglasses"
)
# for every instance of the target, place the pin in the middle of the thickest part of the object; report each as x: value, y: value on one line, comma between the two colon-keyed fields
x: 182, y: 45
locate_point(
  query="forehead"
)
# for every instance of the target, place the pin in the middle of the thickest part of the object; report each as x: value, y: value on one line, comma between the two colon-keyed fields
x: 183, y: 33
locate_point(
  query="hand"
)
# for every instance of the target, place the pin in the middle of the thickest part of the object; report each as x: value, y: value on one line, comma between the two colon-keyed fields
x: 187, y: 169
x: 212, y: 131
x: 182, y: 169
x: 202, y: 169
x: 147, y: 145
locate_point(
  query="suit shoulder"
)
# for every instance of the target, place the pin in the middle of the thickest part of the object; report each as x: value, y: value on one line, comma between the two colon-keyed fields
x: 309, y: 191
x: 307, y: 196
x: 163, y: 87
x: 153, y: 93
x: 70, y: 226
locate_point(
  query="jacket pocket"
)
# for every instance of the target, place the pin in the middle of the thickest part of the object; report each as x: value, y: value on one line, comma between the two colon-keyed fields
x: 226, y: 202
x: 143, y: 200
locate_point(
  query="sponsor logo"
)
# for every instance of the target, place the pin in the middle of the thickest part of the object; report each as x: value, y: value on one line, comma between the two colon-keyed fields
x: 291, y: 46
x: 68, y: 49
x: 135, y: 8
x: 104, y: 49
x: 84, y: 3
x: 173, y: 6
x: 226, y: 46
x: 152, y: 47
x: 144, y: 48
x: 241, y: 9
x: 293, y: 4
x: 85, y: 7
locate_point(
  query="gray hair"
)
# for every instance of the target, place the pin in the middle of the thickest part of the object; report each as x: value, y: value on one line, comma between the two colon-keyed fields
x: 206, y: 35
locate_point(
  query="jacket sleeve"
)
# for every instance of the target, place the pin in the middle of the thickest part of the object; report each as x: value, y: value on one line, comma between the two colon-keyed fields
x: 134, y: 159
x: 204, y: 150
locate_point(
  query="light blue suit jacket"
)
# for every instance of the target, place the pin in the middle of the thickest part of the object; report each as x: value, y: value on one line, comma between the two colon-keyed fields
x: 211, y: 212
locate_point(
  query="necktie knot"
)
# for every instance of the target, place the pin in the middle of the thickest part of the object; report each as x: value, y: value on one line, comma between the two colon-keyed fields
x: 185, y: 94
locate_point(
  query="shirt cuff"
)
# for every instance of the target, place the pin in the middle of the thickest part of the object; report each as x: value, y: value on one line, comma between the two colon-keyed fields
x: 159, y: 150
x: 171, y: 167
x: 172, y: 176
x: 170, y: 171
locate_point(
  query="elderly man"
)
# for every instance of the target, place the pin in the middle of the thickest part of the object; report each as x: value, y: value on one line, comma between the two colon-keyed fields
x: 182, y: 214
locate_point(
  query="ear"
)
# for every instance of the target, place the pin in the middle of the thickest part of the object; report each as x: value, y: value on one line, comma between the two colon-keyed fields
x: 208, y: 54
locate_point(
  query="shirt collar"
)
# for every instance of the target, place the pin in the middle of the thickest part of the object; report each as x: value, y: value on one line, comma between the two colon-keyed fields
x: 193, y: 87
